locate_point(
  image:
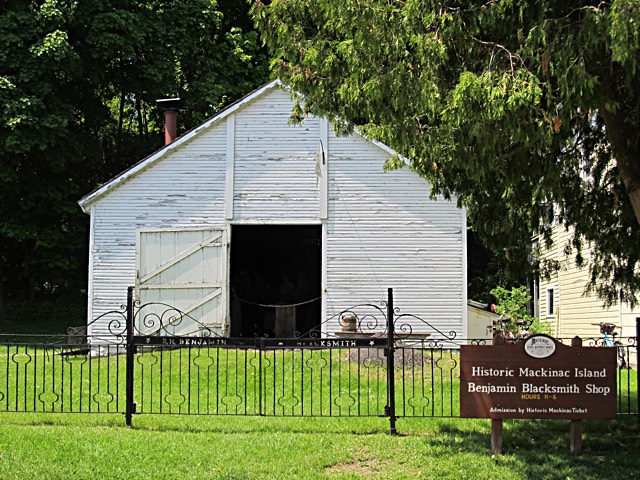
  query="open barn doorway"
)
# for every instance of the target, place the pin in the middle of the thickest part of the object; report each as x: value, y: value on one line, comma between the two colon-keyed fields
x: 275, y: 279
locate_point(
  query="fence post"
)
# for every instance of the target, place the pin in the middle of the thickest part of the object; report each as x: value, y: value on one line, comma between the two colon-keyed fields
x: 391, y: 387
x: 261, y: 397
x: 130, y: 406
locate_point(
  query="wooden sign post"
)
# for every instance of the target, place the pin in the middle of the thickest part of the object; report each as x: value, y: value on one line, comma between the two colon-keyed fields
x: 576, y: 425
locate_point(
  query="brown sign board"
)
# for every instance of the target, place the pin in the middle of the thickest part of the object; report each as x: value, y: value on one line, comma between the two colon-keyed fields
x: 537, y: 378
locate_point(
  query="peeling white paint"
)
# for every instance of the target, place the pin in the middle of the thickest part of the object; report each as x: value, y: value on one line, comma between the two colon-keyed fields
x: 380, y: 229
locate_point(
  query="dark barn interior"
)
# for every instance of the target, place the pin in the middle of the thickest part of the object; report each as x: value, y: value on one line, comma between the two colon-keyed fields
x: 275, y: 279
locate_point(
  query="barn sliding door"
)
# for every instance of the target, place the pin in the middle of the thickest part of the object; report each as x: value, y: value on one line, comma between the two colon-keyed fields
x: 185, y: 269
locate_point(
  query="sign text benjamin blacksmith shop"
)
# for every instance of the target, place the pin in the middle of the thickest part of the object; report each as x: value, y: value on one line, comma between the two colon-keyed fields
x: 537, y: 378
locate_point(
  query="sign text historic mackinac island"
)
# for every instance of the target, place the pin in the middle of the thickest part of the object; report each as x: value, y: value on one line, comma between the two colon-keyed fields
x: 537, y: 378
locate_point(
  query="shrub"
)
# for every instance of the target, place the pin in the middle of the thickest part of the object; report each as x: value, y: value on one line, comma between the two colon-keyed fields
x: 513, y: 304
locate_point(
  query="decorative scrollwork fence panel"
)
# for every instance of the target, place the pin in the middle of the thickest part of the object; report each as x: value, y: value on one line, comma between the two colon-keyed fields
x: 368, y: 360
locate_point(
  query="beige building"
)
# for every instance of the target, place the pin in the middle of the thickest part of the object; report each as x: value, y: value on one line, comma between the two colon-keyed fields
x: 561, y: 300
x: 480, y: 321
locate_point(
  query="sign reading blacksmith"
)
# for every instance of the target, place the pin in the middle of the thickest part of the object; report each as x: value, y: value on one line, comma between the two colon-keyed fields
x: 214, y: 341
x: 537, y: 378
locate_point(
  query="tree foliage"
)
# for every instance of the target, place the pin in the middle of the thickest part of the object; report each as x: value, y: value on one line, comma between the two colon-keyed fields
x: 78, y: 83
x: 515, y: 107
x: 513, y: 306
x: 512, y: 303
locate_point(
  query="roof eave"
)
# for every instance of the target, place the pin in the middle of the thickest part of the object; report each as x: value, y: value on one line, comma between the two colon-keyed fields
x: 86, y: 201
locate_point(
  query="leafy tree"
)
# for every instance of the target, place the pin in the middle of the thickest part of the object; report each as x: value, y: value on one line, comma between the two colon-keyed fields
x: 513, y: 106
x: 513, y: 305
x: 78, y: 83
x: 485, y: 270
x: 41, y: 146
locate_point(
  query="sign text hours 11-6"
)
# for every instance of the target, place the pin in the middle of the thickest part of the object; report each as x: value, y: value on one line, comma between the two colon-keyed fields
x: 537, y: 378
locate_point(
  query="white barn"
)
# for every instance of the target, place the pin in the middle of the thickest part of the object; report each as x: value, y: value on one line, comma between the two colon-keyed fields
x: 247, y: 210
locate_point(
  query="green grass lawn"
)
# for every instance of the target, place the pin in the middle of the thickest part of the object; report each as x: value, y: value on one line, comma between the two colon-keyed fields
x: 48, y: 446
x: 225, y: 381
x: 221, y: 381
x: 90, y: 446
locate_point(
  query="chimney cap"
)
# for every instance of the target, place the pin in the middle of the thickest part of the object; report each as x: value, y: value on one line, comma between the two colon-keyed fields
x: 168, y: 104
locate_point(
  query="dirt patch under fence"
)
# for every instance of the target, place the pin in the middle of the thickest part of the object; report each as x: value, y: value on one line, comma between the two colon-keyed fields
x: 401, y: 357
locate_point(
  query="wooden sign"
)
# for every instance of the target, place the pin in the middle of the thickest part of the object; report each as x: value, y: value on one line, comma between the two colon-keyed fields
x: 537, y: 378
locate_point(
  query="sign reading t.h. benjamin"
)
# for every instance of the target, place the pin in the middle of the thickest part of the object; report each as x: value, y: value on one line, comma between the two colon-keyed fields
x: 537, y: 378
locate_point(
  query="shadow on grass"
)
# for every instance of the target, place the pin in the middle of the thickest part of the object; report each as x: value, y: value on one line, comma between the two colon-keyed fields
x: 536, y: 448
x: 540, y: 448
x: 50, y: 314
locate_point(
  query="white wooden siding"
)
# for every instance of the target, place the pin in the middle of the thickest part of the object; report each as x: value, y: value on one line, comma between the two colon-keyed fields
x: 184, y: 188
x: 382, y: 230
x: 480, y: 323
x: 275, y: 179
x: 186, y: 269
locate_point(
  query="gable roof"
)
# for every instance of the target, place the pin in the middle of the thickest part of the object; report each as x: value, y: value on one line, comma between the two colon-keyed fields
x: 85, y: 201
x: 143, y: 164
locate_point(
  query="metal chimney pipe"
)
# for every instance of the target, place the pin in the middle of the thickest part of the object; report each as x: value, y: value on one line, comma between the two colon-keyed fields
x: 170, y: 108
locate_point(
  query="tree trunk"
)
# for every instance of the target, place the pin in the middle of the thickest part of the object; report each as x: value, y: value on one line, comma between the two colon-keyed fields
x: 139, y: 111
x: 632, y: 184
x: 623, y: 138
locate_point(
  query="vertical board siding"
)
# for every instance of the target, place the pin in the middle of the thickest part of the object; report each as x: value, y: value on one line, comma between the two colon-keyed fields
x: 275, y: 178
x: 185, y: 269
x: 382, y: 229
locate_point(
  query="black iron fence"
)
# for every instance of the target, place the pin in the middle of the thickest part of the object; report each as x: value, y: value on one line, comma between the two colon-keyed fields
x: 375, y: 364
x: 48, y: 374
